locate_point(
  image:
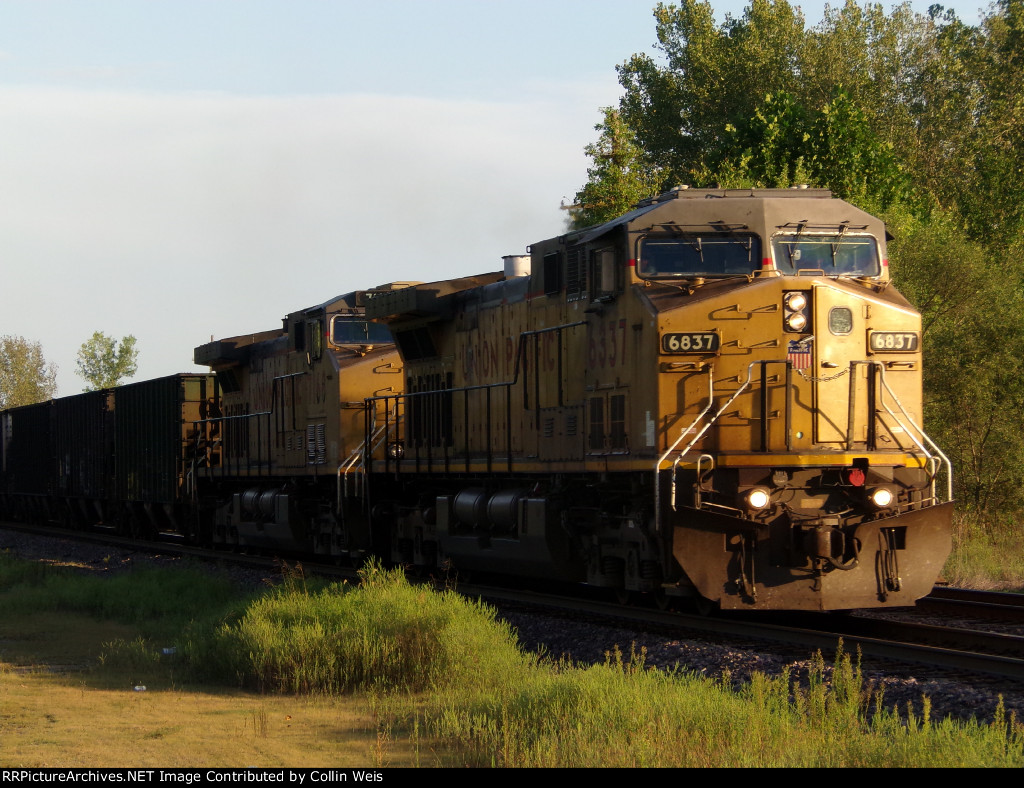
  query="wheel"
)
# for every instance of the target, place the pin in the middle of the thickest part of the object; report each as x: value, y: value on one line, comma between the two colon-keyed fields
x: 663, y: 601
x: 704, y: 606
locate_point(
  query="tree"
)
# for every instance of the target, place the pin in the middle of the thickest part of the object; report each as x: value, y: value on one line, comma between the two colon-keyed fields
x: 25, y: 377
x: 856, y: 103
x: 619, y: 177
x: 103, y: 364
x: 714, y: 76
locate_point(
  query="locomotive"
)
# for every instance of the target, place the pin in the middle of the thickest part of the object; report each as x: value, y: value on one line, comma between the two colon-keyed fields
x: 716, y: 396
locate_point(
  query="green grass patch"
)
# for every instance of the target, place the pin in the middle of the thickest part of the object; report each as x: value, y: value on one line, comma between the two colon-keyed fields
x: 622, y: 715
x: 157, y: 601
x: 443, y: 681
x: 986, y: 552
x: 384, y: 634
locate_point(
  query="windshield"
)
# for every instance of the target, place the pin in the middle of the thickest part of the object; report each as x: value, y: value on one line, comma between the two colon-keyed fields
x: 347, y: 331
x: 836, y: 255
x: 712, y: 254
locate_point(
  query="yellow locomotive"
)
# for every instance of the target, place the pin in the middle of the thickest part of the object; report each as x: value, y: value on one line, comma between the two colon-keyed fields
x: 280, y: 463
x: 716, y: 395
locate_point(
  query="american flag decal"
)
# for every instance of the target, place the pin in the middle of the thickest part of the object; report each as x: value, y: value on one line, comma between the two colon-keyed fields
x: 799, y: 354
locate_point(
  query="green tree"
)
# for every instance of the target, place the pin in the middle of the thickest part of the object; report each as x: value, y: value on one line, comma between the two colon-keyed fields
x: 103, y: 364
x: 855, y: 103
x: 619, y: 177
x: 25, y: 376
x: 713, y: 77
x: 994, y: 208
x: 973, y: 334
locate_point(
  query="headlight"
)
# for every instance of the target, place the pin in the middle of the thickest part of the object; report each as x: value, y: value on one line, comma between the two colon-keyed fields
x: 796, y: 322
x: 881, y: 497
x: 796, y: 307
x: 796, y: 301
x: 758, y: 498
x: 396, y: 450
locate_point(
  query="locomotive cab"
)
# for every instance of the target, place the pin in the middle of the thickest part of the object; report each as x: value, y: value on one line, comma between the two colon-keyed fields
x: 291, y: 435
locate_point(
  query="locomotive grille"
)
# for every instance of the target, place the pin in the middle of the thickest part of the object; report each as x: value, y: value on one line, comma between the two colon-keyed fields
x: 575, y: 275
x: 316, y: 444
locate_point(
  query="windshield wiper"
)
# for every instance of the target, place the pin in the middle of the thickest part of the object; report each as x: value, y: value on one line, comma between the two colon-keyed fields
x: 839, y: 240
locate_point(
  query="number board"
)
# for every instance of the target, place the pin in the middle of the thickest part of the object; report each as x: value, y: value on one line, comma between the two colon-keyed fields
x: 893, y: 341
x: 690, y: 342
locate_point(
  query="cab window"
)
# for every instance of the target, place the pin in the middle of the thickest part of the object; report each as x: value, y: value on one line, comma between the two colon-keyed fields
x: 699, y: 254
x: 349, y: 331
x: 836, y: 255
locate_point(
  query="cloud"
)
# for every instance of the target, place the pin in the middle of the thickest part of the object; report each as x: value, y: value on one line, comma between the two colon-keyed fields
x: 177, y: 217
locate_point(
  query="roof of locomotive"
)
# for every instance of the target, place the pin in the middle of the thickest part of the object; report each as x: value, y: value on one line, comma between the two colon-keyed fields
x: 427, y: 298
x: 235, y: 349
x: 772, y: 208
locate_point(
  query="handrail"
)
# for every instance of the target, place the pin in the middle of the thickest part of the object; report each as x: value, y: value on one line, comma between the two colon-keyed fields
x: 932, y: 463
x: 357, y: 455
x: 922, y: 433
x: 670, y: 449
x: 698, y: 436
x: 225, y: 420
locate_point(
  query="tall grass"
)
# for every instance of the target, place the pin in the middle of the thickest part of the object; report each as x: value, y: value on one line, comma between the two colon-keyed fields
x: 155, y: 600
x: 621, y: 715
x: 986, y: 552
x: 385, y: 634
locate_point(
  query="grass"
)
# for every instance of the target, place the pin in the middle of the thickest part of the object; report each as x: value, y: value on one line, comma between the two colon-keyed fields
x: 621, y: 715
x: 65, y: 721
x: 986, y: 553
x: 393, y: 674
x: 387, y: 634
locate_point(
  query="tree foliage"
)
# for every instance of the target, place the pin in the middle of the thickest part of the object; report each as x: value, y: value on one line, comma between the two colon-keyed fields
x: 103, y: 364
x: 916, y: 117
x: 25, y: 375
x: 619, y: 177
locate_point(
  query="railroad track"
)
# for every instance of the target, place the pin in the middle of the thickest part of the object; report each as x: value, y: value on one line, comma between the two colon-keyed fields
x: 970, y: 603
x: 959, y: 649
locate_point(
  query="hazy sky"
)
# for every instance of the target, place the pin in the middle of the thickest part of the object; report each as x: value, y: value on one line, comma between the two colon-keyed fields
x: 193, y: 168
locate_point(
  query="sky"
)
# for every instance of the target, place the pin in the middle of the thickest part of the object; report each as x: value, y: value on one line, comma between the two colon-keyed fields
x: 181, y: 170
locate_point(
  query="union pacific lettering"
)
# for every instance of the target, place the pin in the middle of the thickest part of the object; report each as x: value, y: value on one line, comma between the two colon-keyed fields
x: 488, y: 360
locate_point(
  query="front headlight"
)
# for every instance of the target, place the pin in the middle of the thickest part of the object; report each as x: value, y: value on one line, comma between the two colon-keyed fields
x: 796, y: 301
x: 796, y: 322
x: 757, y: 498
x: 881, y: 497
x: 795, y: 311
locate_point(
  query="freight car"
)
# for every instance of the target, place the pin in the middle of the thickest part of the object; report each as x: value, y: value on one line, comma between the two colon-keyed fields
x: 122, y: 459
x: 262, y: 453
x: 716, y: 395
